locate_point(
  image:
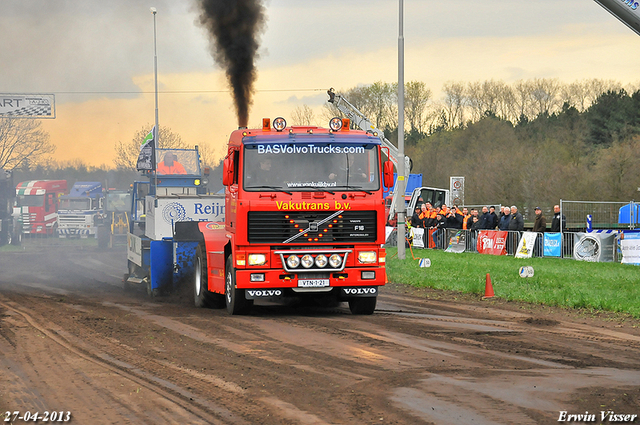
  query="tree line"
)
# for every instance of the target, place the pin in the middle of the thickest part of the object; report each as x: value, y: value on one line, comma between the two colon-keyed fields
x: 530, y: 143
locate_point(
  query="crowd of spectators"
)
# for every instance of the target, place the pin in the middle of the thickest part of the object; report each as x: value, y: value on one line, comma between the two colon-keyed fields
x: 509, y: 219
x: 429, y: 217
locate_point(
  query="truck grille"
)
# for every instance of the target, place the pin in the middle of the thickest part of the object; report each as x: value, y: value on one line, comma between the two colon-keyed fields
x: 279, y: 226
x: 73, y: 220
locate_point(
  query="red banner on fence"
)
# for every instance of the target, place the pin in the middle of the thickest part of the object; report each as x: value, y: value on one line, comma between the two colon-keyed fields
x: 492, y: 242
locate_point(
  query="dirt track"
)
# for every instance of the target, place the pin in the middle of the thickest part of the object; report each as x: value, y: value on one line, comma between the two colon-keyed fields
x: 72, y: 340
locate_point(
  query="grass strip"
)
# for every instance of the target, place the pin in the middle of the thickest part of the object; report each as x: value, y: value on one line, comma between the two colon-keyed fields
x: 559, y: 282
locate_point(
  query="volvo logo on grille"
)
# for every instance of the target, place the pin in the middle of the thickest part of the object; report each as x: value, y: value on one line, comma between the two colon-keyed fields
x: 263, y: 293
x: 313, y: 226
x: 367, y: 291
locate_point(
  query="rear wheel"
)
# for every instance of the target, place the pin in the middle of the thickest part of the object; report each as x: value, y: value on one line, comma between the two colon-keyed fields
x: 17, y: 238
x: 103, y: 236
x: 235, y: 299
x: 364, y: 305
x: 201, y: 295
x: 200, y: 280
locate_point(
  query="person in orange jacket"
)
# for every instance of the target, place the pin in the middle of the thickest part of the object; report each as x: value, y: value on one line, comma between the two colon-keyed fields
x: 170, y: 165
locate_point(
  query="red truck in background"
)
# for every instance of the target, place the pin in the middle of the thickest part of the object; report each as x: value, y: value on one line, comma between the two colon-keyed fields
x: 304, y: 214
x: 37, y: 204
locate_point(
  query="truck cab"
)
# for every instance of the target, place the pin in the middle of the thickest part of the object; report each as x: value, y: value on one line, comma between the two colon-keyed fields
x: 37, y: 205
x: 78, y: 210
x: 303, y: 218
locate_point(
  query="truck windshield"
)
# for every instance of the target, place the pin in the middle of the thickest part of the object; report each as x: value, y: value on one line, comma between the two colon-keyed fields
x: 81, y: 204
x: 311, y: 166
x: 118, y: 202
x: 177, y: 161
x: 30, y: 200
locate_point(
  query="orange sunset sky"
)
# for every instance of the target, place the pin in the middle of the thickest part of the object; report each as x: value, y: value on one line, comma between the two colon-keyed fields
x: 97, y: 58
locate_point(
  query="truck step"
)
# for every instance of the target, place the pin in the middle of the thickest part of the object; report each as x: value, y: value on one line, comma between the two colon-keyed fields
x: 132, y: 279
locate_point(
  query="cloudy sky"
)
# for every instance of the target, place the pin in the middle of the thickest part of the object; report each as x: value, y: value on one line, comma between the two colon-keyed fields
x: 97, y: 58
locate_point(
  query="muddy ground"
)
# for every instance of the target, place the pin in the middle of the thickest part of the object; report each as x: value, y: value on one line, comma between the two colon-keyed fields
x: 72, y: 340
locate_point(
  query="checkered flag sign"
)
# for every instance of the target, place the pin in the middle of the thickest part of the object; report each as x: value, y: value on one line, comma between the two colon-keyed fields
x: 27, y: 106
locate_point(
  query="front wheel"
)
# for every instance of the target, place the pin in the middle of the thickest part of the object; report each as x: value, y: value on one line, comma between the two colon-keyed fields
x: 364, y: 306
x: 235, y: 299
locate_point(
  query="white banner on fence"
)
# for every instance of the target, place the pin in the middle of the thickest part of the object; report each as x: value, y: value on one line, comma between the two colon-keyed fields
x: 526, y: 244
x: 630, y: 251
x: 417, y: 234
x: 594, y: 247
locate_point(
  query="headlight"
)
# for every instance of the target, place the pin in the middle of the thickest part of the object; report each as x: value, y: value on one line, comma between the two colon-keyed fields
x: 367, y: 257
x: 257, y: 259
x: 293, y: 261
x: 321, y: 260
x: 335, y: 260
x: 307, y: 261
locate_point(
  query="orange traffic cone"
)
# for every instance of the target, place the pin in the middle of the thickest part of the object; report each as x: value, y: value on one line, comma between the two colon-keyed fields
x: 488, y: 288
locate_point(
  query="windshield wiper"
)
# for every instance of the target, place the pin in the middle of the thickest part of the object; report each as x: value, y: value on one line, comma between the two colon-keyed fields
x: 360, y: 188
x: 320, y: 189
x: 276, y: 188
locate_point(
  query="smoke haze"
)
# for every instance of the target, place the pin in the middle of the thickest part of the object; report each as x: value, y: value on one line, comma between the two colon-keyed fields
x: 234, y: 28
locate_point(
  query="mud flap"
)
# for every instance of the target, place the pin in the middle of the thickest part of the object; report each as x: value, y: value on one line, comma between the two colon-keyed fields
x: 161, y: 264
x: 184, y: 254
x: 358, y: 291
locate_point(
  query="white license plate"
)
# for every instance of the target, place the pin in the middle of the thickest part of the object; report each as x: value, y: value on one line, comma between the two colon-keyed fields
x: 313, y: 283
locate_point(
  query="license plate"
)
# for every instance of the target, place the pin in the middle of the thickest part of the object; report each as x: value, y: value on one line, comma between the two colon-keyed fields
x: 313, y: 283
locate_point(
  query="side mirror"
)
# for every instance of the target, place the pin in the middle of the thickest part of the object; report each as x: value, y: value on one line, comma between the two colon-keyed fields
x: 228, y: 171
x: 388, y: 173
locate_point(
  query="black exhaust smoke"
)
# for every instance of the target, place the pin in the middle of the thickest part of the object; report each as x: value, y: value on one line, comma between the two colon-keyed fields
x: 234, y: 28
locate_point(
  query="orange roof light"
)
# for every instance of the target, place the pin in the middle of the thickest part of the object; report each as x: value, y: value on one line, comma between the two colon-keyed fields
x: 266, y: 124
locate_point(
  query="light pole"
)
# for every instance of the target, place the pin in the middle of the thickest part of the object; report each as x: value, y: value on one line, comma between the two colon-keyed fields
x: 400, y: 207
x: 155, y: 74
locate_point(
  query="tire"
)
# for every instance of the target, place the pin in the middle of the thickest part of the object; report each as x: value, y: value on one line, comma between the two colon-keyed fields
x: 362, y: 306
x: 150, y: 291
x: 17, y: 238
x: 103, y: 237
x: 235, y: 300
x: 200, y: 280
x: 126, y: 285
x: 201, y: 295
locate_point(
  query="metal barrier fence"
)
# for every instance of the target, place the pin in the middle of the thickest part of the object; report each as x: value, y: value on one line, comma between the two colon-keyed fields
x: 602, y: 215
x: 467, y: 241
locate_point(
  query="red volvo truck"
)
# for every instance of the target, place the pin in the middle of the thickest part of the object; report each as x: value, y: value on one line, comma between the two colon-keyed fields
x: 303, y: 218
x: 37, y: 205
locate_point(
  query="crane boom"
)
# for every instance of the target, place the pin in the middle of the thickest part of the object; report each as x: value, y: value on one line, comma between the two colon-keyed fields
x: 359, y: 119
x: 627, y: 11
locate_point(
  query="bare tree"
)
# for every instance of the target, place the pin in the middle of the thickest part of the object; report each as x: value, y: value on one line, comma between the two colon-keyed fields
x: 454, y: 102
x: 127, y: 153
x: 474, y: 100
x: 596, y: 87
x: 303, y: 115
x: 522, y: 99
x: 505, y: 102
x: 575, y: 94
x: 545, y: 95
x: 416, y: 98
x: 22, y: 141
